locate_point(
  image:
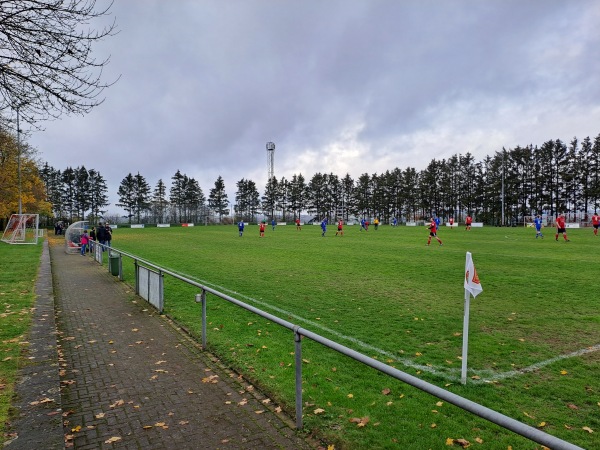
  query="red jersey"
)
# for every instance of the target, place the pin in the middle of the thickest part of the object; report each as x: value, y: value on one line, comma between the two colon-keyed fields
x: 595, y: 219
x: 468, y: 220
x: 262, y: 227
x: 560, y: 222
x: 451, y: 220
x: 340, y: 224
x: 433, y: 227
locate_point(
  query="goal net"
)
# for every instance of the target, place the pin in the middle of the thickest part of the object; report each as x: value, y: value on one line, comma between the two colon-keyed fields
x: 22, y: 229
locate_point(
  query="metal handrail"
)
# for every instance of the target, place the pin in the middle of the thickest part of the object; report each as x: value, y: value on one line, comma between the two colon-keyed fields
x: 500, y: 419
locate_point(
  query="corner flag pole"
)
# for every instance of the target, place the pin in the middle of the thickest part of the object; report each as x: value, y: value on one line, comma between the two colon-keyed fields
x: 465, y: 346
x: 472, y: 286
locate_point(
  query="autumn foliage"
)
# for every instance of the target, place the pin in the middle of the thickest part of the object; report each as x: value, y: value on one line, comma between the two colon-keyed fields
x: 33, y: 191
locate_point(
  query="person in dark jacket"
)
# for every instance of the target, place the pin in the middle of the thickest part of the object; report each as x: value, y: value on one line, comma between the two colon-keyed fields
x: 101, y: 235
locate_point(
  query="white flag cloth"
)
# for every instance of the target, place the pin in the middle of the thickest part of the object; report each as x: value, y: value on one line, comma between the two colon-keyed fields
x: 471, y: 279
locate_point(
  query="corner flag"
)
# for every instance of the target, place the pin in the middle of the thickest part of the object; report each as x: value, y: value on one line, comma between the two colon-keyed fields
x: 471, y: 279
x: 472, y: 287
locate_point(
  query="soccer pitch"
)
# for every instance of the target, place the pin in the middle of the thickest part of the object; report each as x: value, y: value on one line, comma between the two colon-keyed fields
x: 534, y: 341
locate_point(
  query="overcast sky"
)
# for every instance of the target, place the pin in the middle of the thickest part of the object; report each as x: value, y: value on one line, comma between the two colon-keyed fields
x: 341, y: 86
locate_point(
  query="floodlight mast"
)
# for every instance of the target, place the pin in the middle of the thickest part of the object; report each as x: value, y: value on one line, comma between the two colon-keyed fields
x: 270, y: 160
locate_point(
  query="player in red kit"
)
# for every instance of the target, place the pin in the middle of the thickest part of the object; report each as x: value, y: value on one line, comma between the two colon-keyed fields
x: 595, y: 223
x: 340, y: 229
x: 561, y: 227
x: 468, y: 222
x: 261, y: 228
x: 433, y: 232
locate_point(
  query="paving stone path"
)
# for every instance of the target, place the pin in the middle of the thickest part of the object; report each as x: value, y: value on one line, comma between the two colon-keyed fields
x: 129, y: 379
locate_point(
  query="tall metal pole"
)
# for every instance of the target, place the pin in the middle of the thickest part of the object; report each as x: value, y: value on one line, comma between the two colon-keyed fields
x: 271, y: 168
x: 19, y: 160
x: 270, y: 160
x: 502, y: 187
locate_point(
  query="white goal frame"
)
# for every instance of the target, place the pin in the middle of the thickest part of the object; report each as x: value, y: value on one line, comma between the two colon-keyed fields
x: 22, y: 229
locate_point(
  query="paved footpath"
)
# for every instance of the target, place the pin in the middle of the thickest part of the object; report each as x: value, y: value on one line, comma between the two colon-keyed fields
x: 129, y: 379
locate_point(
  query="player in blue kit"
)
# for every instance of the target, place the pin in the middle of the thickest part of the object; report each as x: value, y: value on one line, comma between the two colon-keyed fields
x: 241, y: 227
x: 324, y: 227
x: 538, y: 227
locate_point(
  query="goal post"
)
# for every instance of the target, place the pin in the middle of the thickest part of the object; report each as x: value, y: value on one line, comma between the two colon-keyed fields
x: 22, y: 229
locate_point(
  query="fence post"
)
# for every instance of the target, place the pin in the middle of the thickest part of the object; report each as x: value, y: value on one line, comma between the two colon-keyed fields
x: 201, y: 298
x: 298, y: 354
x: 137, y: 277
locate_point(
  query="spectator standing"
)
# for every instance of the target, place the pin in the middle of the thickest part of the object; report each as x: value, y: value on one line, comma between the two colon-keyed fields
x: 101, y: 235
x: 108, y: 234
x: 92, y: 238
x: 84, y: 241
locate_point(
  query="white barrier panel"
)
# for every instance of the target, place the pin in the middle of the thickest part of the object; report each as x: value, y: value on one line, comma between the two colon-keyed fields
x: 150, y: 287
x: 137, y: 225
x: 477, y: 224
x: 187, y: 224
x: 163, y: 225
x: 572, y: 225
x: 281, y: 223
x: 411, y: 224
x: 451, y: 225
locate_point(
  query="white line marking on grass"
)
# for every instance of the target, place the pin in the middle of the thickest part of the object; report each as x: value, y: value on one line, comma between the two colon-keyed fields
x: 404, y: 361
x: 492, y: 377
x: 536, y: 366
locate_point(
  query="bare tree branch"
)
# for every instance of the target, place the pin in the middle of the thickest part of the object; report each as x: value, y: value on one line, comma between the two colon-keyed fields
x: 47, y: 68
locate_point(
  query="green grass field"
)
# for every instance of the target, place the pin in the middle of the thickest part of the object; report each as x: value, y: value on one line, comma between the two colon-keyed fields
x: 534, y: 344
x: 19, y: 265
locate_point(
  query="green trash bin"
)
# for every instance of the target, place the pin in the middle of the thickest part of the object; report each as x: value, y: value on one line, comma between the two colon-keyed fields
x: 113, y: 264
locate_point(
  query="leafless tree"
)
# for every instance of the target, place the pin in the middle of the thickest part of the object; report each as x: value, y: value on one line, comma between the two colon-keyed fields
x: 47, y: 68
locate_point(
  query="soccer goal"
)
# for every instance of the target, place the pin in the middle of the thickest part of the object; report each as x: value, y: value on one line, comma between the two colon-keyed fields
x: 22, y: 229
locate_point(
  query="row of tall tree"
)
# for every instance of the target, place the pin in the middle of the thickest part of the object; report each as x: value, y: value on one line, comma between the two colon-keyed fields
x: 509, y: 186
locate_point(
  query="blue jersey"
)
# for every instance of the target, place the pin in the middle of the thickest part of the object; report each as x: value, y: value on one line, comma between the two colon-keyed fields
x: 241, y: 226
x: 324, y: 225
x: 538, y: 223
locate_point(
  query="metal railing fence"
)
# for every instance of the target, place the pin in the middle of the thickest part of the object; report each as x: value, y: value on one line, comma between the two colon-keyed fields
x: 495, y: 417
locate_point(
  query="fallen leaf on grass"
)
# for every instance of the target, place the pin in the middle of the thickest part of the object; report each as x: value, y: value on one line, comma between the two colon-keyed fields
x: 350, y: 395
x: 359, y: 421
x: 563, y: 372
x: 319, y: 411
x: 588, y: 429
x: 572, y: 406
x: 113, y: 440
x: 259, y: 411
x: 462, y: 442
x: 386, y: 391
x: 541, y: 424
